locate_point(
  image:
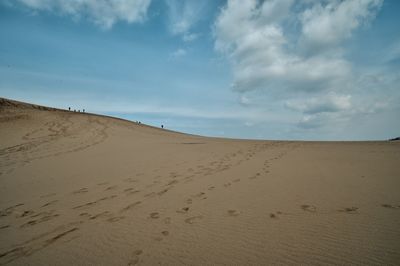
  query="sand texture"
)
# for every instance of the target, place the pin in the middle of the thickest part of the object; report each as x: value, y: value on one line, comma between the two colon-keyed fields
x: 81, y: 189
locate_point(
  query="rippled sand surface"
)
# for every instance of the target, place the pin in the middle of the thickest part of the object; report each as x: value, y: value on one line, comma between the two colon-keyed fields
x: 81, y: 189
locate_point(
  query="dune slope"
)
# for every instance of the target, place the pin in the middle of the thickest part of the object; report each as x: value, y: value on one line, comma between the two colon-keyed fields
x: 91, y: 190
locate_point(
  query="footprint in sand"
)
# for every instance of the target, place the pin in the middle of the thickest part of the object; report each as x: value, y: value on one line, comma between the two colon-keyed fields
x: 107, y: 198
x: 129, y: 193
x: 26, y: 213
x: 275, y: 215
x: 159, y: 238
x: 110, y: 188
x: 135, y: 257
x: 199, y: 194
x: 129, y: 180
x: 115, y: 219
x: 150, y: 195
x: 45, y: 218
x: 172, y: 183
x: 191, y: 220
x: 61, y: 235
x: 183, y: 210
x: 389, y: 206
x: 48, y: 203
x: 173, y: 174
x: 233, y: 213
x: 308, y: 208
x: 162, y: 192
x: 154, y: 215
x: 88, y: 204
x: 82, y: 190
x: 130, y: 206
x: 227, y: 185
x: 236, y: 180
x: 102, y: 214
x: 189, y: 201
x: 349, y: 210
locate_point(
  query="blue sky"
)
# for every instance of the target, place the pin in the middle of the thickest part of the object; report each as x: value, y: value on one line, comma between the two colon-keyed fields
x: 274, y: 69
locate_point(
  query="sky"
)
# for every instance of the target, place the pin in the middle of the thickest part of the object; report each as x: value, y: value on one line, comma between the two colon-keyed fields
x: 250, y: 69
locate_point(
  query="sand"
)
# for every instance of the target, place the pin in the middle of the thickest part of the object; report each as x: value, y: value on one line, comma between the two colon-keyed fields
x: 82, y: 189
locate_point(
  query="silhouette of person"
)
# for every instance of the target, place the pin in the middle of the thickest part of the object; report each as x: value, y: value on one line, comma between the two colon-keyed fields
x: 162, y: 126
x: 69, y: 108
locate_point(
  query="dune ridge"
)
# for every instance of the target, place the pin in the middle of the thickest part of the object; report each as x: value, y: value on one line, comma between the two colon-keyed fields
x: 85, y: 189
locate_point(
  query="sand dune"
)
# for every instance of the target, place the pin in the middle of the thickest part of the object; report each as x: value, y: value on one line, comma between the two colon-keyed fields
x: 81, y: 189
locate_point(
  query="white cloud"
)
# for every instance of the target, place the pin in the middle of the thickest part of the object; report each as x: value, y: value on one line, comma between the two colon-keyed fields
x: 178, y: 53
x: 328, y: 25
x: 275, y: 10
x: 311, y: 121
x: 183, y: 15
x: 244, y: 100
x: 252, y: 36
x: 393, y: 53
x: 104, y: 13
x: 189, y: 37
x: 324, y: 104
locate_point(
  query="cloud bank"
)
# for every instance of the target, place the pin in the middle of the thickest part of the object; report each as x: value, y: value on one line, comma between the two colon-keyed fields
x: 252, y: 35
x: 295, y: 52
